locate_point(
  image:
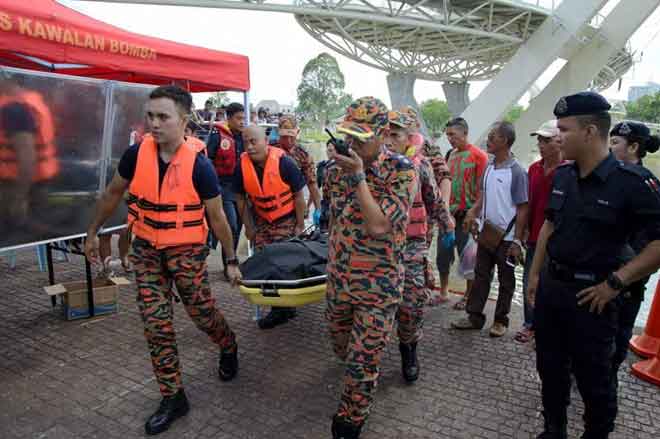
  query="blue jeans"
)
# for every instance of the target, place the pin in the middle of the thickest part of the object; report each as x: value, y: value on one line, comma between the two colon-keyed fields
x: 230, y: 207
x: 528, y: 310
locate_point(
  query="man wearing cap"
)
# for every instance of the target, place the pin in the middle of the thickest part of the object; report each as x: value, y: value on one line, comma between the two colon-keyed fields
x: 596, y: 204
x: 442, y: 176
x: 427, y: 209
x: 288, y: 132
x: 540, y: 175
x: 370, y: 192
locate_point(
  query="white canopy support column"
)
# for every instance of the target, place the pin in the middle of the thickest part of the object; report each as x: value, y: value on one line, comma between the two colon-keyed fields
x: 527, y: 65
x: 457, y: 96
x: 402, y: 93
x: 581, y: 69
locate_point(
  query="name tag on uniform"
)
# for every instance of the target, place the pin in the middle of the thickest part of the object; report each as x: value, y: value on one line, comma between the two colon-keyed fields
x: 557, y: 192
x: 603, y: 202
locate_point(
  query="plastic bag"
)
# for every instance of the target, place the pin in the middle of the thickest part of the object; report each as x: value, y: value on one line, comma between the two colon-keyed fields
x: 468, y: 260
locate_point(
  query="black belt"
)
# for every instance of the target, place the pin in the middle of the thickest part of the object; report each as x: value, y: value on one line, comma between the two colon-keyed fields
x: 567, y: 273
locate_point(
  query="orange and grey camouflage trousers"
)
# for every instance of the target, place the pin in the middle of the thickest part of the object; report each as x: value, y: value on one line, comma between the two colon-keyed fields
x: 155, y: 273
x: 416, y: 295
x: 360, y: 310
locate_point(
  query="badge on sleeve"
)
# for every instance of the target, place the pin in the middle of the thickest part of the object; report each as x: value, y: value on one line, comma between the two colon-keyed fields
x: 653, y: 185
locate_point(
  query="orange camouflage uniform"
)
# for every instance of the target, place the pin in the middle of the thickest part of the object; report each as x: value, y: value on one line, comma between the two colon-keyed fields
x: 365, y: 274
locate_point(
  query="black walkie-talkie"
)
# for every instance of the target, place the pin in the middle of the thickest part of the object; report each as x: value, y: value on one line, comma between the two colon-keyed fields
x: 340, y: 146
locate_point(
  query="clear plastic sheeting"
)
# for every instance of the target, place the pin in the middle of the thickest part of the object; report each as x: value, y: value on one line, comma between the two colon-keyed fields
x: 127, y: 127
x: 61, y: 138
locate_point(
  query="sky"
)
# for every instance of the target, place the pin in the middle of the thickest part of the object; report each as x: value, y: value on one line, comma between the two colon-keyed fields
x: 279, y: 48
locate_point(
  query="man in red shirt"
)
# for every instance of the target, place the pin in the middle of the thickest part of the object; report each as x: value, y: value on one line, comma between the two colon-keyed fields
x: 540, y: 177
x: 466, y: 166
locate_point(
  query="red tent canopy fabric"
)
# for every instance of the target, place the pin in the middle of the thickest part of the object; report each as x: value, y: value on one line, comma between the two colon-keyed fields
x: 44, y: 35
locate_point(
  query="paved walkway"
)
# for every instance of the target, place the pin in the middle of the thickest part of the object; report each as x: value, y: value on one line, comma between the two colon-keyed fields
x: 93, y: 379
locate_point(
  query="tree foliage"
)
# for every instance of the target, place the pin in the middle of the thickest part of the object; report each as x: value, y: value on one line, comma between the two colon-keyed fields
x: 646, y: 108
x: 436, y: 114
x: 321, y: 90
x: 514, y: 113
x: 219, y: 99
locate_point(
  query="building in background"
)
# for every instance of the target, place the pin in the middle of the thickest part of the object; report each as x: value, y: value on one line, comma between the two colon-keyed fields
x: 637, y: 91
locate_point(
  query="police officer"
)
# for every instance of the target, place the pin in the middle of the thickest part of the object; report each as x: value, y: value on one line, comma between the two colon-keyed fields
x: 630, y: 142
x: 597, y: 203
x: 370, y: 192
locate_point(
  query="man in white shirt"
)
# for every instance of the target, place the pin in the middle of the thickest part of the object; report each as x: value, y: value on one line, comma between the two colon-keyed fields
x: 501, y: 206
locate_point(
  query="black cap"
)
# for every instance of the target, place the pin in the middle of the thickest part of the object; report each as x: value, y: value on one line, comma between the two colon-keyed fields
x: 586, y: 102
x: 630, y: 129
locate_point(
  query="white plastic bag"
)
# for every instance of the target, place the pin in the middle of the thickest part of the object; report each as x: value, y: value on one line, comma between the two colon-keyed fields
x: 468, y: 260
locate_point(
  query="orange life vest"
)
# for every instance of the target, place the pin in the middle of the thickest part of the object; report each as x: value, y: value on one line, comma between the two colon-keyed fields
x: 46, y: 165
x: 197, y: 144
x: 172, y: 214
x: 225, y: 156
x: 418, y: 225
x: 273, y: 199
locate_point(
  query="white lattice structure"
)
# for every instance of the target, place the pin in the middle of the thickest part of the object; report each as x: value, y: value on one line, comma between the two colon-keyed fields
x: 441, y: 40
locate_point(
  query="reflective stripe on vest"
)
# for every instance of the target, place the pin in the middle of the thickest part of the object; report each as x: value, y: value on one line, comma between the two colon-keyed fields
x: 46, y: 165
x: 172, y: 214
x: 273, y: 199
x: 418, y: 225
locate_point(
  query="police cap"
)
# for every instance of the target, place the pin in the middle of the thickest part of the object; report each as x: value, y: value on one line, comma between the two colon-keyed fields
x: 586, y: 102
x: 629, y: 129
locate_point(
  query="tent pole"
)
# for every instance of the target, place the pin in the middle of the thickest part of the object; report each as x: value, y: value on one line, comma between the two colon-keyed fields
x: 246, y: 106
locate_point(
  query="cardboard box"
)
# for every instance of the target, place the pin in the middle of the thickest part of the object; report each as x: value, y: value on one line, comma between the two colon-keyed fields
x: 106, y: 293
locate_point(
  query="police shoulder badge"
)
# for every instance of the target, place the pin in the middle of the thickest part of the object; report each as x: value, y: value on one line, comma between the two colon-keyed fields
x: 625, y: 129
x: 225, y: 144
x: 562, y: 106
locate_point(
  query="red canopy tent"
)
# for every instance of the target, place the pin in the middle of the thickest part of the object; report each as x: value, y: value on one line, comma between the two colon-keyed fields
x: 44, y: 35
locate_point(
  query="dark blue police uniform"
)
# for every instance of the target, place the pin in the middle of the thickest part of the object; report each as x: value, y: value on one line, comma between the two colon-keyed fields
x: 594, y: 219
x: 632, y: 298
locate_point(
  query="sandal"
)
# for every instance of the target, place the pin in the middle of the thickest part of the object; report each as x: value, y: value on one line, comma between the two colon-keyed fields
x: 524, y: 336
x: 437, y: 298
x: 460, y: 305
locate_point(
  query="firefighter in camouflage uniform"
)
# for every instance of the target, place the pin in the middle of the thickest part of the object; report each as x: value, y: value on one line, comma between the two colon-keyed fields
x: 433, y: 154
x: 426, y: 210
x: 370, y: 192
x: 288, y: 132
x: 174, y: 196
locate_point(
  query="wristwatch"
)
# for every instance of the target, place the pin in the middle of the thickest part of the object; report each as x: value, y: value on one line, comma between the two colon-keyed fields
x: 615, y: 282
x: 232, y: 261
x: 355, y: 179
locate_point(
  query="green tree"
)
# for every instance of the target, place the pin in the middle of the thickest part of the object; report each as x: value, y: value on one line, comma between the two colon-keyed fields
x: 436, y: 114
x: 514, y: 113
x: 646, y: 108
x: 219, y: 99
x: 321, y: 90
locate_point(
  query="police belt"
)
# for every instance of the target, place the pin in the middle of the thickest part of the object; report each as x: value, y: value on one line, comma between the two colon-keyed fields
x: 566, y: 273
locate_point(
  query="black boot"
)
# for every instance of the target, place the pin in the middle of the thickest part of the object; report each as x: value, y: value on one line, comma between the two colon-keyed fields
x: 342, y: 429
x: 277, y: 316
x: 171, y: 408
x: 554, y: 427
x: 228, y: 364
x: 409, y: 364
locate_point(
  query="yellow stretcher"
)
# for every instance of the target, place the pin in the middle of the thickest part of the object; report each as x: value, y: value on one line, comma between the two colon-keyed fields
x: 287, y: 293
